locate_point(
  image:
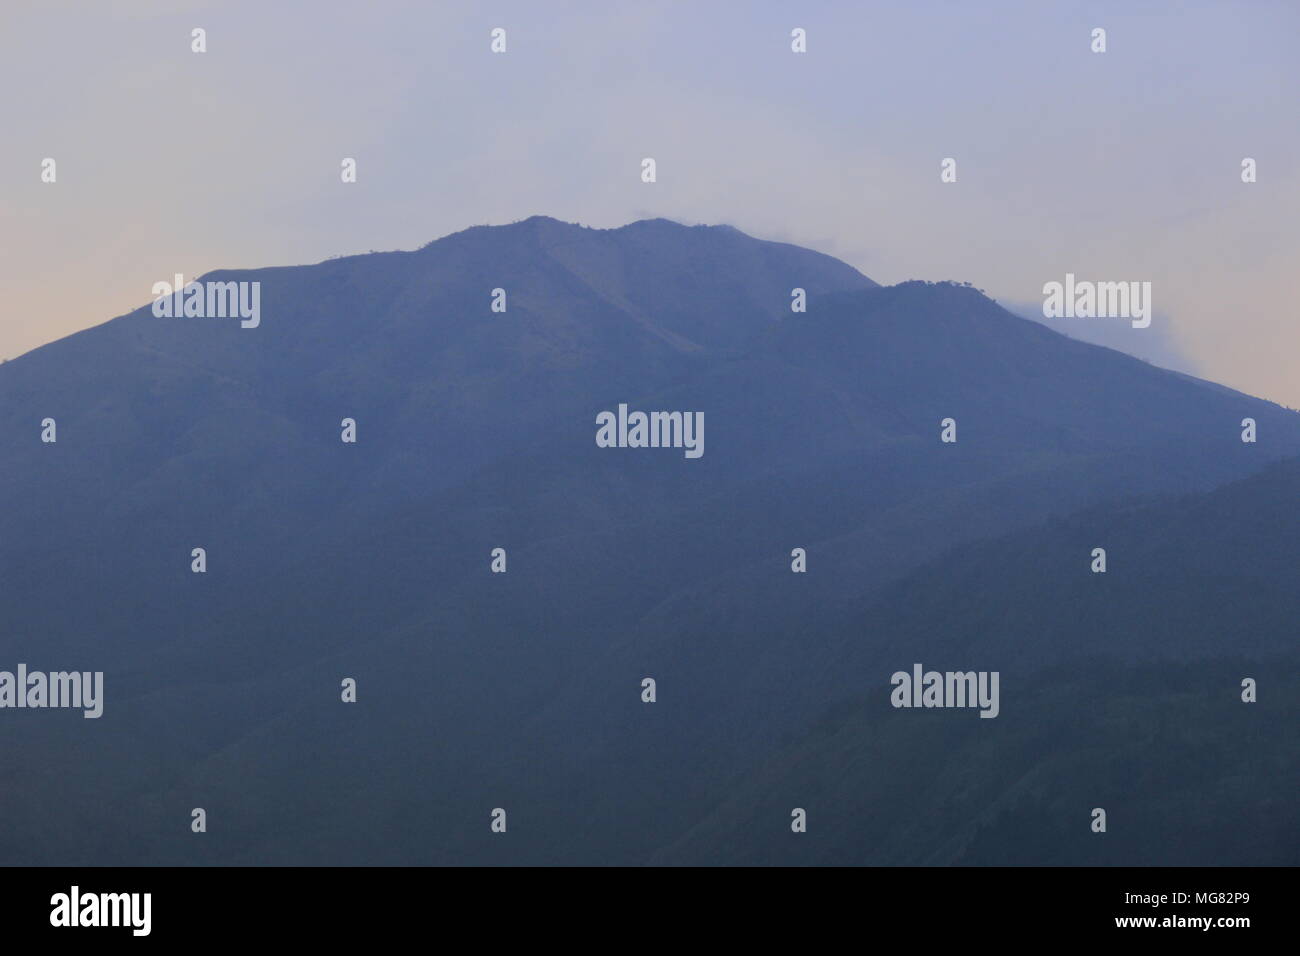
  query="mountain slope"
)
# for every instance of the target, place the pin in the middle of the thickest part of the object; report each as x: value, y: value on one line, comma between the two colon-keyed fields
x: 1120, y: 690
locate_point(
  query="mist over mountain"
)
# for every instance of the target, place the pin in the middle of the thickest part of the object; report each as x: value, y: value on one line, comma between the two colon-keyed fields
x: 476, y: 430
x: 1158, y: 343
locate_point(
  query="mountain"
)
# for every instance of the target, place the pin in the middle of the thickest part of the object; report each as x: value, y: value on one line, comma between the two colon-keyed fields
x: 476, y: 430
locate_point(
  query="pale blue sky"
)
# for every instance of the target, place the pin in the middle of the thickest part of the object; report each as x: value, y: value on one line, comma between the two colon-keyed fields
x: 1122, y: 165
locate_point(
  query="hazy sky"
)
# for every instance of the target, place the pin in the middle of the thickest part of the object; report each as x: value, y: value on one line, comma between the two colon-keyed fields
x: 1116, y: 166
